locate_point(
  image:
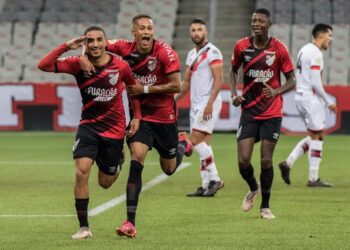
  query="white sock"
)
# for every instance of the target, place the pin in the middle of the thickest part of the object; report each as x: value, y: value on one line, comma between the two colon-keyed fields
x: 301, y: 148
x: 207, y: 161
x: 205, y: 177
x: 315, y: 154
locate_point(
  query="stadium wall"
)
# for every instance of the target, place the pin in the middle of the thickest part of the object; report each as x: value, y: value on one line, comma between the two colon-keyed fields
x: 52, y: 106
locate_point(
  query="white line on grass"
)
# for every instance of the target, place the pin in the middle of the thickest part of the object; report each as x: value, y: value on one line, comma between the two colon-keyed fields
x: 107, y: 205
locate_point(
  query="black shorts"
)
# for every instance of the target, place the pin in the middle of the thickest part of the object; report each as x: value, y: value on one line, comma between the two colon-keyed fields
x: 260, y: 129
x: 106, y: 152
x: 162, y: 136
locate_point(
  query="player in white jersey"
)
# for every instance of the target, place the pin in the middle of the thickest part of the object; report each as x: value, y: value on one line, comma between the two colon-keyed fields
x: 310, y: 99
x: 203, y: 77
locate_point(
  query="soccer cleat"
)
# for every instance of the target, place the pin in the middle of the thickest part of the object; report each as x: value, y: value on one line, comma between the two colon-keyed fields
x: 249, y: 199
x: 213, y: 187
x: 318, y: 183
x: 285, y: 171
x: 265, y: 213
x: 200, y: 191
x: 82, y: 233
x: 189, y: 146
x: 127, y: 229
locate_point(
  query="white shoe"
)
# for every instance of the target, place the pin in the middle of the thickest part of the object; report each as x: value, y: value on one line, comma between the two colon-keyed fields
x: 82, y: 233
x: 265, y: 213
x: 248, y: 201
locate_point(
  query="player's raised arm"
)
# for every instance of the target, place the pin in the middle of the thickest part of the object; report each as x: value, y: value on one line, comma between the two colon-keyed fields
x: 50, y: 62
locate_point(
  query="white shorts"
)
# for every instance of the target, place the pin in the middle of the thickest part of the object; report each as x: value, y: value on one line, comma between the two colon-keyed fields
x: 313, y: 113
x: 196, y: 117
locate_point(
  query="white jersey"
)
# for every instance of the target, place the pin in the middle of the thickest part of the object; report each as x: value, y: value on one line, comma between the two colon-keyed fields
x: 310, y: 60
x: 201, y: 75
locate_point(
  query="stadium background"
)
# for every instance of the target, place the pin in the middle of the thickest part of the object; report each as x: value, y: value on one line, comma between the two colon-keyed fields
x: 33, y: 100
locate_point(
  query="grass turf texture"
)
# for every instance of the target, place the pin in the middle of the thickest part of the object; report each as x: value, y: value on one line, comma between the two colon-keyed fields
x: 37, y: 176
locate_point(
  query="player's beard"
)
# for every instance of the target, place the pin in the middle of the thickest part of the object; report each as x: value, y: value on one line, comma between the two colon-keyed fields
x: 198, y: 42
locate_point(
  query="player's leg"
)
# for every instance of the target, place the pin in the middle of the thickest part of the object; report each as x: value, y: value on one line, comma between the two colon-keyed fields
x: 139, y: 145
x: 109, y: 160
x: 84, y: 153
x: 269, y: 134
x: 315, y: 126
x: 302, y: 146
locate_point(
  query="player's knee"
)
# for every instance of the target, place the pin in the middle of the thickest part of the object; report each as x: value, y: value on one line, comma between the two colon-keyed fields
x: 243, y: 164
x: 266, y: 163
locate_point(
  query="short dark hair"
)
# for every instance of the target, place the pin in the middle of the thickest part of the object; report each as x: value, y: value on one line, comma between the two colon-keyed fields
x: 320, y: 28
x: 95, y: 28
x: 263, y: 11
x: 137, y: 17
x: 198, y: 20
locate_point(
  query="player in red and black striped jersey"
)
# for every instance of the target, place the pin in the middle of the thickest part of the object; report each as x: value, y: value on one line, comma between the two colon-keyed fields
x: 263, y: 58
x: 156, y: 67
x: 102, y: 128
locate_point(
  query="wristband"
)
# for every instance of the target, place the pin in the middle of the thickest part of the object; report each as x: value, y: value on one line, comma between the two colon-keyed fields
x: 145, y: 89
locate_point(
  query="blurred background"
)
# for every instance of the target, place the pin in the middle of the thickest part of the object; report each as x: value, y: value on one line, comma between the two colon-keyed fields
x: 30, y: 29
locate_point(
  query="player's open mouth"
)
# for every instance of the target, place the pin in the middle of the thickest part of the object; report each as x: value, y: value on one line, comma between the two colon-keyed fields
x: 145, y: 40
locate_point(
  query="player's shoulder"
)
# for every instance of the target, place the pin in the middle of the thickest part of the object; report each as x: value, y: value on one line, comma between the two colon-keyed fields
x: 120, y: 42
x: 278, y: 44
x: 245, y: 41
x: 164, y: 50
x: 118, y: 60
x: 213, y: 48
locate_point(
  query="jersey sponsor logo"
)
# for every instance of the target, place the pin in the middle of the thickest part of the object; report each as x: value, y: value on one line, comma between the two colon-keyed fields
x: 113, y: 78
x: 260, y: 75
x: 152, y: 63
x: 146, y: 80
x: 270, y: 59
x: 168, y: 50
x: 102, y: 95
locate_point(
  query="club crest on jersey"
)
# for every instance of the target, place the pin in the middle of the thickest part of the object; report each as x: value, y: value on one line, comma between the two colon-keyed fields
x: 113, y: 78
x: 152, y: 62
x: 270, y: 59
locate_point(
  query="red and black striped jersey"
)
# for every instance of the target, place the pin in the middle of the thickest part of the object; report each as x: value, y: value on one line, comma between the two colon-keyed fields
x: 151, y: 69
x: 261, y: 66
x: 101, y: 93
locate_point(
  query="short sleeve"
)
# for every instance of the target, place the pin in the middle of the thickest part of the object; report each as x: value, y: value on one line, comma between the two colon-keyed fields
x: 285, y: 59
x: 214, y: 56
x: 170, y: 60
x: 236, y: 60
x: 316, y: 62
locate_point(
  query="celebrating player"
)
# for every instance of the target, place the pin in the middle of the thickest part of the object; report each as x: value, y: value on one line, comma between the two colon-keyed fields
x: 156, y: 67
x: 100, y: 135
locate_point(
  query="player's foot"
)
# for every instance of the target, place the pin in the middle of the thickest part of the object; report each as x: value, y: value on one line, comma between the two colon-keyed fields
x: 285, y: 171
x: 318, y: 183
x: 82, y: 233
x: 265, y: 213
x: 189, y: 147
x: 213, y: 187
x: 200, y: 191
x: 127, y: 229
x: 249, y: 199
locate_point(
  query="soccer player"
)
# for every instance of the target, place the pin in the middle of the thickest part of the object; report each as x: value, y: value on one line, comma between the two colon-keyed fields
x: 263, y: 58
x: 156, y: 66
x: 310, y: 98
x: 204, y: 74
x: 100, y: 135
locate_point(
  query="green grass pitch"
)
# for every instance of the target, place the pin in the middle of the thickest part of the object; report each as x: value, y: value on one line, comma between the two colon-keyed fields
x: 37, y: 205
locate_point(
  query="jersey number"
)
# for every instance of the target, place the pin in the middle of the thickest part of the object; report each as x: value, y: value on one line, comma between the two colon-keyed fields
x: 299, y: 62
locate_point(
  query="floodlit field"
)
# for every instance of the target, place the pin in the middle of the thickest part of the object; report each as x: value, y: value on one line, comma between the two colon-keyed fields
x: 37, y: 204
